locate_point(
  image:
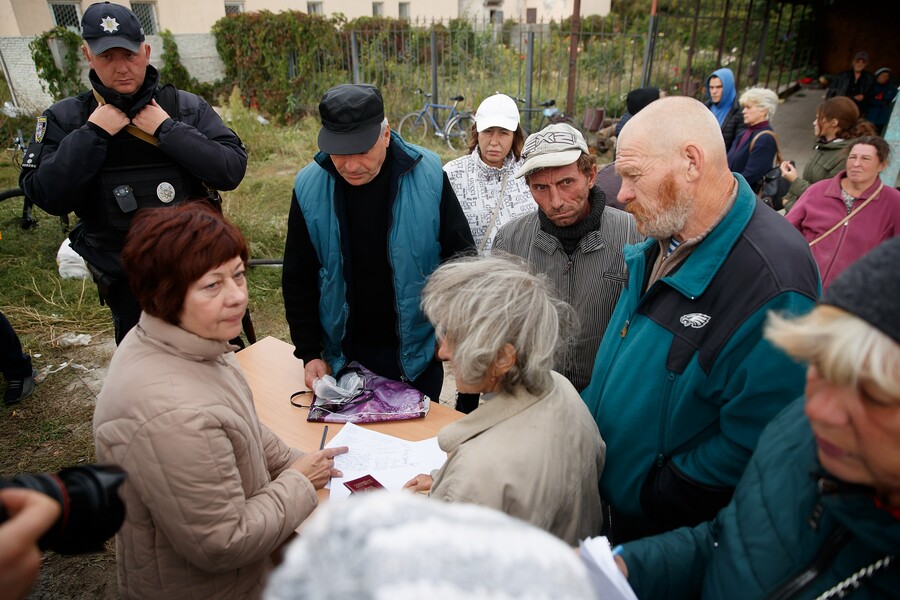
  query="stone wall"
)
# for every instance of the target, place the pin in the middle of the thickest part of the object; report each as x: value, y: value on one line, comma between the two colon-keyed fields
x: 197, y: 50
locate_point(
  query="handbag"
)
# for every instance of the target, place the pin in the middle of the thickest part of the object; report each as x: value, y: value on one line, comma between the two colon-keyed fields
x: 773, y: 186
x: 376, y: 400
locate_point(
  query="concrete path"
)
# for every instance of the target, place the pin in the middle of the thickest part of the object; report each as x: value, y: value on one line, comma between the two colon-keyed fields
x: 793, y: 123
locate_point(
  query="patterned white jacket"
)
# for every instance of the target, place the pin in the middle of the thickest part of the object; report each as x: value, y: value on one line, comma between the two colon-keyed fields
x: 478, y: 185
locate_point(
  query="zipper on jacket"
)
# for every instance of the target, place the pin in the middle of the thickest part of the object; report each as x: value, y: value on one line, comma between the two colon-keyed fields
x: 663, y: 411
x: 826, y: 554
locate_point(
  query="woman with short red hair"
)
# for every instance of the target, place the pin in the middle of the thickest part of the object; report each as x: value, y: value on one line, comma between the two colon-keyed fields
x: 210, y: 492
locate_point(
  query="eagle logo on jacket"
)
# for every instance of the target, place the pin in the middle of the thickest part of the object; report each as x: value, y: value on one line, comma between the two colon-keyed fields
x: 695, y: 320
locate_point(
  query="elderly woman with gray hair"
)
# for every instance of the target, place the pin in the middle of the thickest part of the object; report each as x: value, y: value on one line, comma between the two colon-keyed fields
x: 753, y: 154
x: 532, y: 449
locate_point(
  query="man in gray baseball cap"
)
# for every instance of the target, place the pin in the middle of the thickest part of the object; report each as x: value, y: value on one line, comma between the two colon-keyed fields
x: 573, y: 237
x: 371, y: 217
x: 125, y: 144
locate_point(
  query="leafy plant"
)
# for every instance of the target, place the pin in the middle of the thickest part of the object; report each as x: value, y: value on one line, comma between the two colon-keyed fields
x: 58, y: 81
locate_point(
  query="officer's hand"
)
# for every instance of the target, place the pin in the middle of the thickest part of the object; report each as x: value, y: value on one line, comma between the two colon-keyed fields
x: 109, y: 118
x: 150, y: 118
x: 315, y: 369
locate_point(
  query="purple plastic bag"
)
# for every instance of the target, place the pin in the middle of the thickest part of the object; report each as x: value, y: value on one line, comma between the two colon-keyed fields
x: 380, y: 399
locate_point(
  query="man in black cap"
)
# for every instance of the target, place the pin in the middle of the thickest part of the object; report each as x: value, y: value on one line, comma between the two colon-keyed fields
x: 125, y: 144
x: 856, y: 83
x: 371, y: 217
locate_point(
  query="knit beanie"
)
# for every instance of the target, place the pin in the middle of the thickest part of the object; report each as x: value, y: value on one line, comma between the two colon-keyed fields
x: 870, y: 288
x: 399, y: 546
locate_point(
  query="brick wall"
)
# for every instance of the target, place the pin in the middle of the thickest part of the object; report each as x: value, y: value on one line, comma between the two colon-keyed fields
x: 198, y: 54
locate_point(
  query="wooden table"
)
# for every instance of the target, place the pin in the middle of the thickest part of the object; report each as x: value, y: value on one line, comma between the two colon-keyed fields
x: 274, y: 374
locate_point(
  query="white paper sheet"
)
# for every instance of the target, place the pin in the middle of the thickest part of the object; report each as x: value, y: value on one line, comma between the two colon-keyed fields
x: 390, y: 460
x: 609, y: 583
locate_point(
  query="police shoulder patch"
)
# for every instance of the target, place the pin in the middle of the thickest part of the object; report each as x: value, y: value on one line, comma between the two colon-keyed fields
x: 40, y: 129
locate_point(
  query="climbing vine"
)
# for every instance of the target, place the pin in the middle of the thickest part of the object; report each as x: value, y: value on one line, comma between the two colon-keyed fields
x: 58, y: 81
x: 272, y: 57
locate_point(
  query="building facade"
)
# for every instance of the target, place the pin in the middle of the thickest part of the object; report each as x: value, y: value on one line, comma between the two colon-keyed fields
x: 33, y: 17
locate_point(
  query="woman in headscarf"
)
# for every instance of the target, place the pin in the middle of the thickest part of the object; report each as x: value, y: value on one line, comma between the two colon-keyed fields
x: 724, y: 104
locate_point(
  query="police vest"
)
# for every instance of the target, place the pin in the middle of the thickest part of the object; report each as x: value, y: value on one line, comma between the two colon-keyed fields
x: 137, y: 174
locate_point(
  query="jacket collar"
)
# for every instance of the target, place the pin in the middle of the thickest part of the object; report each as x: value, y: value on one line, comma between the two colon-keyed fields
x: 130, y: 105
x: 488, y: 172
x: 498, y: 409
x: 178, y: 341
x: 698, y: 270
x: 834, y: 187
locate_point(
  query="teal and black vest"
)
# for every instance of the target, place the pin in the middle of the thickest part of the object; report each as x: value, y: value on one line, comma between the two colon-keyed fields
x: 414, y: 252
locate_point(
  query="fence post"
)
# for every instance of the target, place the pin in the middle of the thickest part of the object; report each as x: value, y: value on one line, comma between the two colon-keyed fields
x: 647, y: 71
x: 575, y: 38
x: 529, y: 75
x: 761, y: 54
x: 434, y: 72
x: 354, y: 57
x: 687, y: 87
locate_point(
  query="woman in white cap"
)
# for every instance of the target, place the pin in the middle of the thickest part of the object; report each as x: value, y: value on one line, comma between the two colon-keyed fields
x: 485, y: 183
x: 483, y: 179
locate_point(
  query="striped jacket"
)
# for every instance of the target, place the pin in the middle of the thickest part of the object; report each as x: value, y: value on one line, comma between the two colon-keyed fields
x: 590, y: 280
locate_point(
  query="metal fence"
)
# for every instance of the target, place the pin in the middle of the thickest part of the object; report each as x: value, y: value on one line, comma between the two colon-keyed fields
x: 763, y: 41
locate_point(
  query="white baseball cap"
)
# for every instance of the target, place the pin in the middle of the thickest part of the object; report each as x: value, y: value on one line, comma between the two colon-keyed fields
x: 556, y: 145
x: 498, y: 110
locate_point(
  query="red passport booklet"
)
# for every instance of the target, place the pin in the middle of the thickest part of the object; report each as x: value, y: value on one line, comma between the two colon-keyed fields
x: 366, y: 483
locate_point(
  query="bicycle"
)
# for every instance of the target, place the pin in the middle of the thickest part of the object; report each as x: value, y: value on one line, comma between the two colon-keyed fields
x: 549, y: 115
x: 28, y: 219
x: 414, y: 127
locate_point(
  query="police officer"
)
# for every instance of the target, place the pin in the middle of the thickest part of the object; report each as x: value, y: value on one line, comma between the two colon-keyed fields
x: 125, y: 144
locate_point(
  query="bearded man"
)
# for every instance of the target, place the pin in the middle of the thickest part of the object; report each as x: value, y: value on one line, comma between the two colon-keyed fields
x: 683, y: 382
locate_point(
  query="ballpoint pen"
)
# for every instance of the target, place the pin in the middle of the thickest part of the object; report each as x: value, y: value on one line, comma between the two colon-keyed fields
x: 324, y: 434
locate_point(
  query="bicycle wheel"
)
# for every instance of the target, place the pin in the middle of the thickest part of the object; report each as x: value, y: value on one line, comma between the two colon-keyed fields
x: 414, y: 128
x: 11, y: 193
x: 457, y: 131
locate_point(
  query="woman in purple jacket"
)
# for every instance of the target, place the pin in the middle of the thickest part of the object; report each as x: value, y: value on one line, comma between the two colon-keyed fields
x: 846, y: 216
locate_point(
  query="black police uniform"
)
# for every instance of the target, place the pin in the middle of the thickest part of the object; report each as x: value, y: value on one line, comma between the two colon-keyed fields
x: 73, y: 165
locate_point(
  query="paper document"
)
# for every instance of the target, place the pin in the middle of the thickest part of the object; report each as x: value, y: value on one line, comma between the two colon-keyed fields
x: 608, y: 581
x: 388, y: 459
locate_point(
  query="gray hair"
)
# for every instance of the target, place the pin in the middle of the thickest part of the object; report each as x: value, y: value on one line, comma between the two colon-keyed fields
x: 371, y: 547
x: 479, y: 304
x: 384, y: 126
x: 762, y: 97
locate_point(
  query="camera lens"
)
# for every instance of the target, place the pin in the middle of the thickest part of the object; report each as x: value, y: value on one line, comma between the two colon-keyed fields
x: 92, y: 511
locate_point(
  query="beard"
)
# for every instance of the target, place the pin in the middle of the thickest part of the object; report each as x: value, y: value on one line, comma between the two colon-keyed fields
x: 664, y: 216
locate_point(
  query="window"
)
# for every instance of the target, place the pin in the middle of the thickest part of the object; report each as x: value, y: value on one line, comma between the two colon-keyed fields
x: 146, y: 14
x: 497, y: 17
x: 378, y: 9
x: 531, y: 15
x: 404, y: 11
x: 234, y: 8
x: 315, y: 8
x: 66, y: 14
